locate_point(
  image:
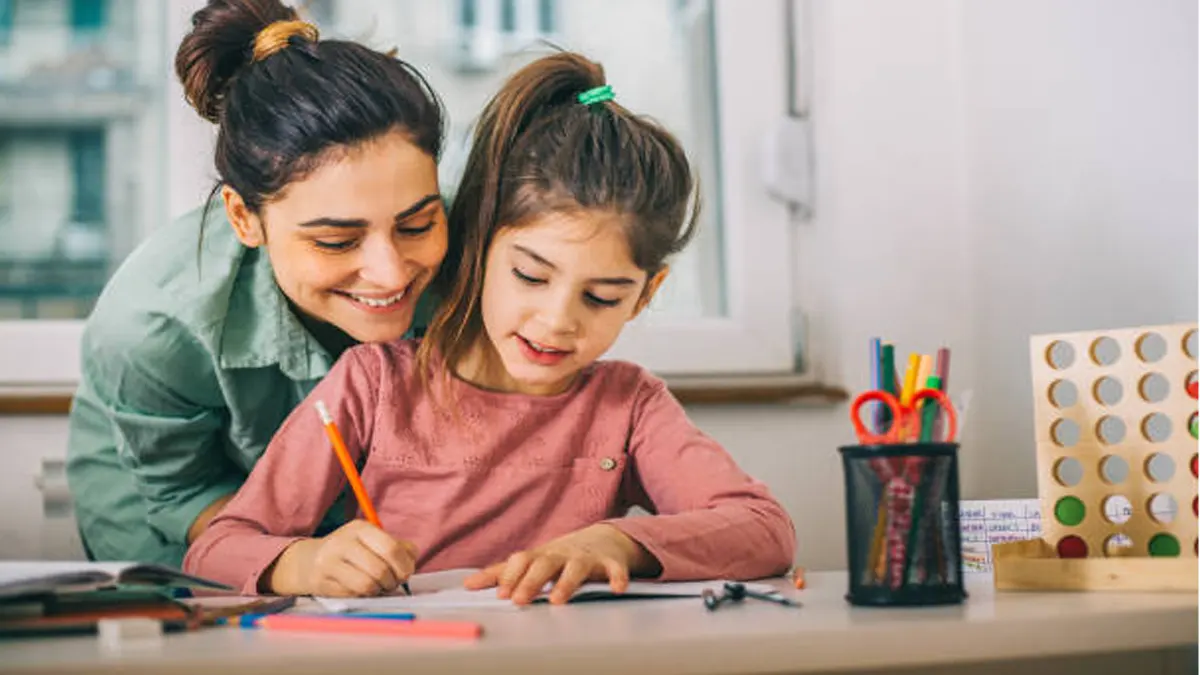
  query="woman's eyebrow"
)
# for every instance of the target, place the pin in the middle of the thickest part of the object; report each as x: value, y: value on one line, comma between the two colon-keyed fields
x: 361, y: 222
x: 417, y: 207
x: 610, y: 281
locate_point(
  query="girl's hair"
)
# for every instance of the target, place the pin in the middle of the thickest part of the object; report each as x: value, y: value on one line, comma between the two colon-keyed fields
x: 286, y: 101
x: 537, y: 149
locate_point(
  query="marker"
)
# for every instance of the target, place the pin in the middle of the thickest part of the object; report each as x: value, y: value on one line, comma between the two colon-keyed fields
x: 875, y: 367
x: 354, y: 626
x: 887, y: 378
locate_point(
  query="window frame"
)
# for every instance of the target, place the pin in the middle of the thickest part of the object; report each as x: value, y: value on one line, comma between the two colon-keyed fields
x: 755, y: 337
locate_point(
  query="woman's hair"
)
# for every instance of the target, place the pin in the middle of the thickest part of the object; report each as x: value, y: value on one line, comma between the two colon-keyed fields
x: 285, y: 101
x: 537, y: 150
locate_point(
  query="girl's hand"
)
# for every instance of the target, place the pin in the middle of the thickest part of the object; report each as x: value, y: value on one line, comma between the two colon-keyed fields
x: 357, y: 559
x: 596, y: 553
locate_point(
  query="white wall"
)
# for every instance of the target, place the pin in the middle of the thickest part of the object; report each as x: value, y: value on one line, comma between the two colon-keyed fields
x: 1083, y: 189
x: 986, y: 170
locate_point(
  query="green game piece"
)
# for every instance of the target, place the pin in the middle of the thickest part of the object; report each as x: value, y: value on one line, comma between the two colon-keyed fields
x: 1164, y: 546
x: 1069, y: 511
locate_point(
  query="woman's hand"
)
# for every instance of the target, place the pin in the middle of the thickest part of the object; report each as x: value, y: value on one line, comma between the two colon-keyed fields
x: 357, y: 559
x: 596, y: 553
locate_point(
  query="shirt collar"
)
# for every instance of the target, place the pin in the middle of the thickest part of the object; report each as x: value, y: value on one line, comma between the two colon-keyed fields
x: 260, y: 328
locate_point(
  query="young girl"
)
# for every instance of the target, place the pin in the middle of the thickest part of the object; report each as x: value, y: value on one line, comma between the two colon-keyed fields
x: 500, y: 442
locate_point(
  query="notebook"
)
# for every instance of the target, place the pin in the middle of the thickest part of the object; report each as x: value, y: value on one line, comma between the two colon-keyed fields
x: 24, y: 578
x: 443, y: 590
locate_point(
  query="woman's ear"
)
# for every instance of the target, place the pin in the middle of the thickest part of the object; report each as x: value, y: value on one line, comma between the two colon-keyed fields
x: 652, y: 287
x: 246, y: 226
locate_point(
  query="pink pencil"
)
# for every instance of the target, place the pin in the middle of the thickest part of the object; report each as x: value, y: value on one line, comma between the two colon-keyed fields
x: 351, y: 625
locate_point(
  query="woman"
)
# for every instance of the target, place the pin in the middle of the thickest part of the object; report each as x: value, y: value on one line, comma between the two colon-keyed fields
x: 332, y: 232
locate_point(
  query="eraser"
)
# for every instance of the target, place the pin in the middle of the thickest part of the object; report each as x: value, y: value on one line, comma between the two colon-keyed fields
x: 116, y: 632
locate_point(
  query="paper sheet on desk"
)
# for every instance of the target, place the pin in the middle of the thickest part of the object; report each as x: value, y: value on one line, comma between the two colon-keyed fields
x: 443, y: 590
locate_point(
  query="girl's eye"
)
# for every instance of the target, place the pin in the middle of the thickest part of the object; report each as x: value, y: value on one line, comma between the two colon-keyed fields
x: 334, y: 245
x: 416, y: 231
x: 601, y: 302
x: 532, y: 281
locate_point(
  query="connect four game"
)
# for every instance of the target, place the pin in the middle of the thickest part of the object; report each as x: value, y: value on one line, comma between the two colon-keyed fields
x: 1115, y: 417
x: 1115, y: 414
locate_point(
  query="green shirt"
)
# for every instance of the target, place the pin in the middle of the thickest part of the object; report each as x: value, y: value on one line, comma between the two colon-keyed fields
x: 191, y: 361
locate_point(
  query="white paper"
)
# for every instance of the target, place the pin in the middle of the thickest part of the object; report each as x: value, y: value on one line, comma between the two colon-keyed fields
x: 443, y: 590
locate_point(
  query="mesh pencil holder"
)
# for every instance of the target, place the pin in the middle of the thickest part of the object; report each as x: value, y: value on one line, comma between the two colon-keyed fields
x: 902, y: 530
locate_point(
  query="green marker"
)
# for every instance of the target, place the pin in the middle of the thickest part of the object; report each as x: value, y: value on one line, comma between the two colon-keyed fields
x: 887, y: 364
x: 930, y: 410
x: 929, y: 413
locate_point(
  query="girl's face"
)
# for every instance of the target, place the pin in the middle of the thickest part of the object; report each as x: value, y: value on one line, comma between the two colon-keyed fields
x: 356, y: 242
x: 556, y: 294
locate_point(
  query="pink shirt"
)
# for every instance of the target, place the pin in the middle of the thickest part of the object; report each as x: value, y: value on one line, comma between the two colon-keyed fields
x: 511, y: 472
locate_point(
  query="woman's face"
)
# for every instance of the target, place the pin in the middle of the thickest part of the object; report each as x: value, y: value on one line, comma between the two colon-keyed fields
x: 356, y: 242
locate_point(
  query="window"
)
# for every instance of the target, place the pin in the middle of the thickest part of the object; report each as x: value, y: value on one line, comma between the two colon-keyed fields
x: 6, y: 21
x: 82, y: 85
x: 88, y: 15
x: 712, y: 71
x: 485, y: 31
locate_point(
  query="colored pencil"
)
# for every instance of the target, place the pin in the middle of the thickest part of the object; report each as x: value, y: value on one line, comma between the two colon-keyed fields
x: 343, y: 455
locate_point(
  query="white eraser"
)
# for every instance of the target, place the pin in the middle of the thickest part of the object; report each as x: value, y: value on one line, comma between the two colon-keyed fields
x: 115, y: 632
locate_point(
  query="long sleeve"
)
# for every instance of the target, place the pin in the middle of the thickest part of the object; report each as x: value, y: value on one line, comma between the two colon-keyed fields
x: 709, y: 518
x: 167, y: 435
x: 295, y: 482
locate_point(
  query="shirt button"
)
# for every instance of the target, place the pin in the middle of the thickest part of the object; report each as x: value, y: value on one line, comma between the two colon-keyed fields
x: 608, y: 463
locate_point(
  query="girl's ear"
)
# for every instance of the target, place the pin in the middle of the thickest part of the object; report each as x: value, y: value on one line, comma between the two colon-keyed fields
x: 246, y: 226
x: 652, y: 287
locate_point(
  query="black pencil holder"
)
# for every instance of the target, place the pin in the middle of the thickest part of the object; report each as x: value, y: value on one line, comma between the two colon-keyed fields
x: 902, y: 532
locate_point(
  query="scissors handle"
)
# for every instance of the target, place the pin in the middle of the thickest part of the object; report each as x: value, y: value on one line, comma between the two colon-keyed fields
x: 905, y: 420
x: 939, y: 399
x: 867, y: 437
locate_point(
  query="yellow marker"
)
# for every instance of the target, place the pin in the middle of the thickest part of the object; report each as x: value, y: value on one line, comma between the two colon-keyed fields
x: 910, y: 379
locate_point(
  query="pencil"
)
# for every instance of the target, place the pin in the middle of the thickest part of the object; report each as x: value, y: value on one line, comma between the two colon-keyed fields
x: 343, y: 455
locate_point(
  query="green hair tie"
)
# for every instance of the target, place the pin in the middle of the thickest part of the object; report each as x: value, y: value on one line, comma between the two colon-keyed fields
x: 596, y: 95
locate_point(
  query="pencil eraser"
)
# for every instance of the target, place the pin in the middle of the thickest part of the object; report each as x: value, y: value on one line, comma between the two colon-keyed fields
x: 118, y: 632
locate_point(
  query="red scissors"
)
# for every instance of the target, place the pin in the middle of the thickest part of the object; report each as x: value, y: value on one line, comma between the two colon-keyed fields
x: 907, y: 420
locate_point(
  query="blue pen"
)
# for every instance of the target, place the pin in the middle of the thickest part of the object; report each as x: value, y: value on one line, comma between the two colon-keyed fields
x: 251, y: 620
x: 241, y: 620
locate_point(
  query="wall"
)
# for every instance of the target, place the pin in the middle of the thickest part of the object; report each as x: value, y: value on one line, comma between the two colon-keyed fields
x: 1083, y: 179
x: 986, y: 170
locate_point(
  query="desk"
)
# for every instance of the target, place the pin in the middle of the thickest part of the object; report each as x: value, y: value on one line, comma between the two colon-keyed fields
x: 1007, y: 632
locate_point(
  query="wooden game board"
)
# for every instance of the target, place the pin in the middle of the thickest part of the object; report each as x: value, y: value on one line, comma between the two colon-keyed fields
x: 1106, y: 401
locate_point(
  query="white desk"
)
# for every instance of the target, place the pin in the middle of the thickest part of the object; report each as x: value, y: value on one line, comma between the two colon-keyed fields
x: 1007, y: 632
